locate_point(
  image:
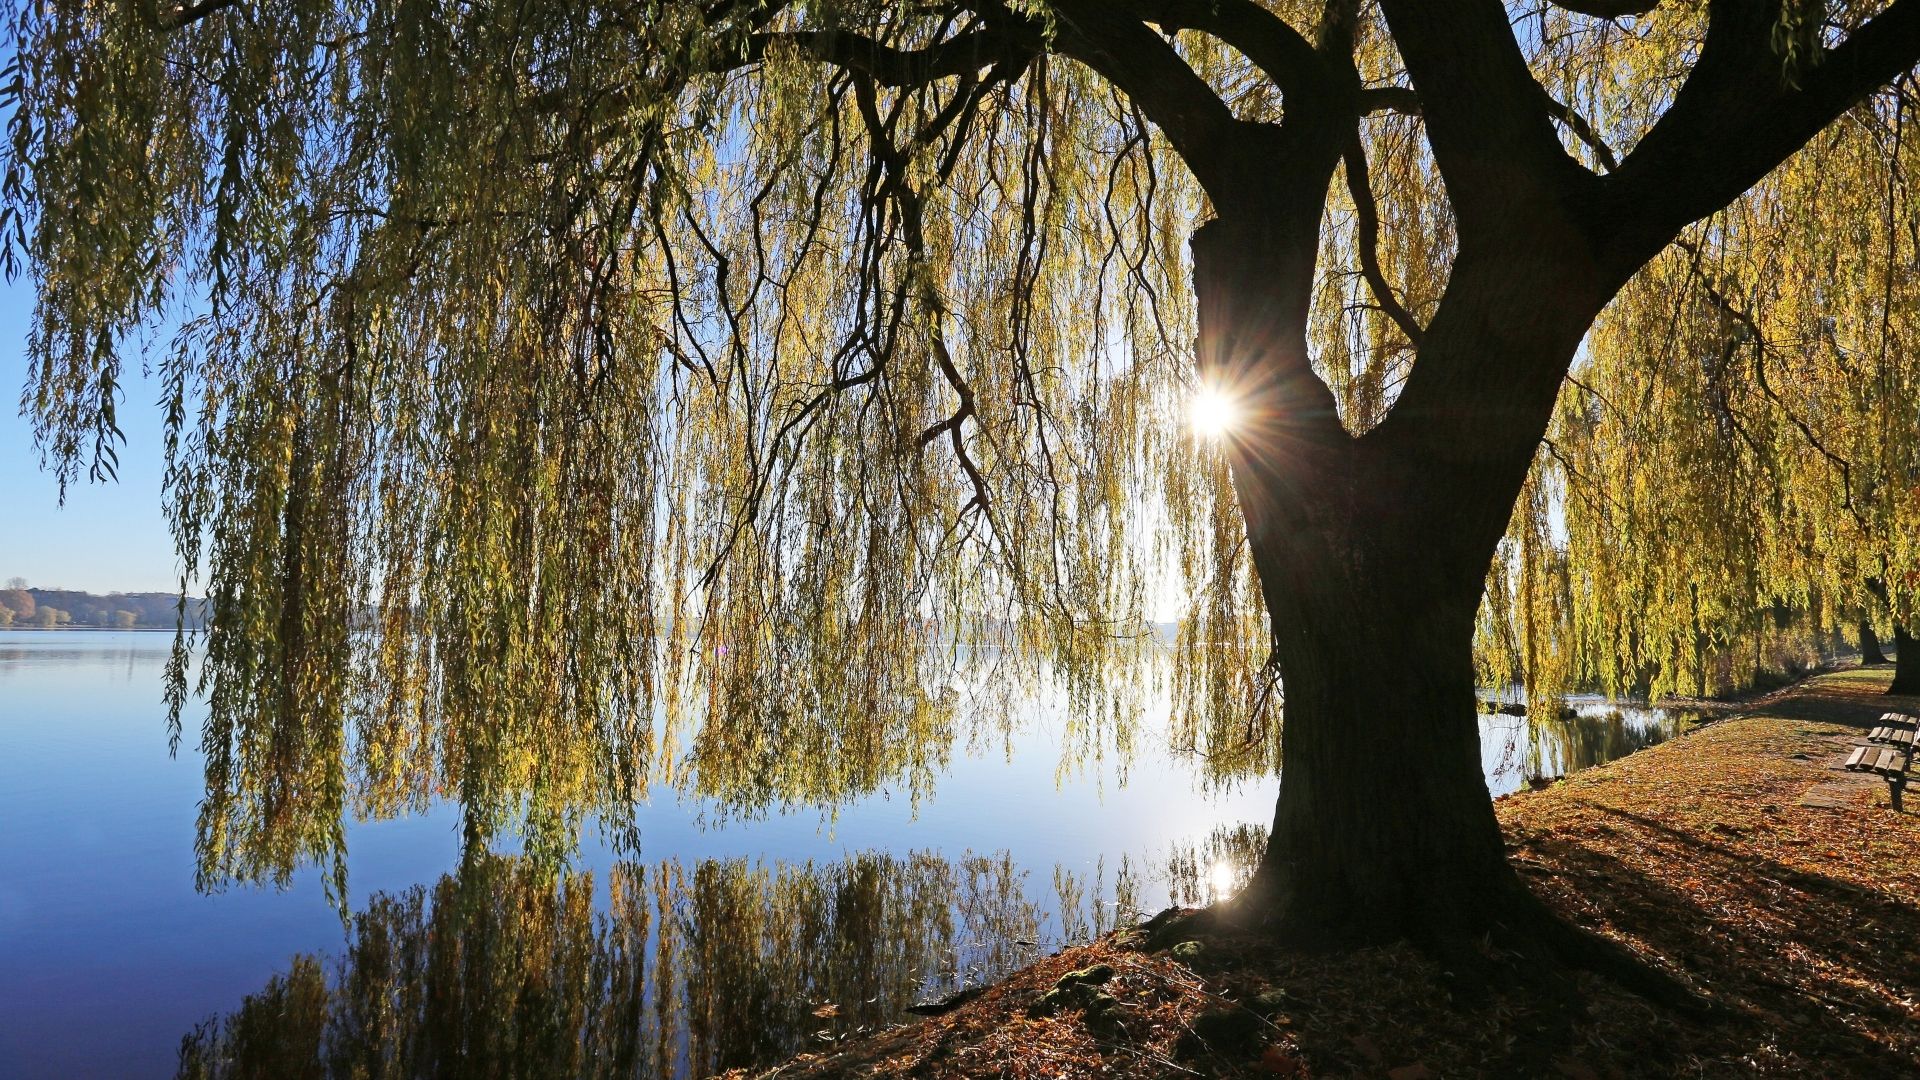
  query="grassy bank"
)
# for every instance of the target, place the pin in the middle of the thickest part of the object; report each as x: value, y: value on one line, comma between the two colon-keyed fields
x: 1739, y: 858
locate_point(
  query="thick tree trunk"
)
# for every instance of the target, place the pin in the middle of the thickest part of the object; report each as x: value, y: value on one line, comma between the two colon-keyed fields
x: 1372, y: 554
x: 1372, y: 561
x: 1870, y: 653
x: 1906, y: 661
x: 1384, y: 827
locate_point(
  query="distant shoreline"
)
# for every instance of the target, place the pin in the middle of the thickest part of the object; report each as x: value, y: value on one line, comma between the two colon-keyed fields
x: 88, y: 629
x: 30, y: 608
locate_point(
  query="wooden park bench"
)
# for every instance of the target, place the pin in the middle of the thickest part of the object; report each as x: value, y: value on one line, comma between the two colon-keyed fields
x: 1889, y: 752
x: 1899, y: 732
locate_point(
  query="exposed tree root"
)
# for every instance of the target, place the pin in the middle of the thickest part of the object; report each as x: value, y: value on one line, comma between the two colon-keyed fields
x: 1517, y: 942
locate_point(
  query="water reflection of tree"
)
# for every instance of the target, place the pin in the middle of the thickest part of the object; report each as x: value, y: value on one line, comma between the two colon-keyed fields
x: 501, y: 970
x: 1582, y: 740
x: 505, y: 969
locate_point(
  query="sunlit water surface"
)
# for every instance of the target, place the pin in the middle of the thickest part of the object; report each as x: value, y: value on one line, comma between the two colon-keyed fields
x: 726, y: 942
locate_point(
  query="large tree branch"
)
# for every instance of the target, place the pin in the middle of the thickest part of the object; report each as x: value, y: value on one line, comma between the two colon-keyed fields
x: 1279, y: 50
x: 1146, y: 68
x: 1399, y: 99
x: 1367, y: 234
x: 1737, y: 117
x: 177, y: 15
x: 1112, y: 38
x: 1117, y: 45
x: 1491, y: 138
x: 1608, y: 9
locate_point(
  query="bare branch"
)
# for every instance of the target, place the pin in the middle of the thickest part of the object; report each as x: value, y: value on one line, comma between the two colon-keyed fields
x: 1581, y: 129
x: 1493, y: 143
x: 1367, y: 222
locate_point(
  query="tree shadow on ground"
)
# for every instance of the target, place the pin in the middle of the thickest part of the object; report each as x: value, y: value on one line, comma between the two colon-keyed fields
x: 1855, y: 698
x: 1816, y: 971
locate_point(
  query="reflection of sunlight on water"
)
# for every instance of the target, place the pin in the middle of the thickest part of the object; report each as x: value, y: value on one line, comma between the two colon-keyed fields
x: 1224, y: 880
x: 1214, y: 868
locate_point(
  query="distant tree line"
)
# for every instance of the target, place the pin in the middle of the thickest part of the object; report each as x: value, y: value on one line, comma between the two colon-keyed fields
x: 51, y: 609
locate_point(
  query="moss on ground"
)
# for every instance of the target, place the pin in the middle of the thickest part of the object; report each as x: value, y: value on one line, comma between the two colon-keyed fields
x: 1738, y: 858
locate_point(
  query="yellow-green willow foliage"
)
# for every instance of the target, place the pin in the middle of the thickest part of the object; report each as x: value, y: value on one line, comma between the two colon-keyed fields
x: 501, y: 970
x: 1739, y: 458
x: 546, y: 419
x: 568, y: 398
x: 1523, y: 640
x: 557, y: 405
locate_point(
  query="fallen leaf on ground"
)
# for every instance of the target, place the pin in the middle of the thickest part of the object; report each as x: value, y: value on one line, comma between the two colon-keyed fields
x: 1369, y: 1049
x: 1281, y: 1063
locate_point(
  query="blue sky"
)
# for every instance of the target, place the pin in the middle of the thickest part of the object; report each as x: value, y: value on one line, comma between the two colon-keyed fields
x: 108, y: 537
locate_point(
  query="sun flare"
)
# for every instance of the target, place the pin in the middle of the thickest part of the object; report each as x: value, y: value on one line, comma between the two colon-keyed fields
x: 1213, y: 413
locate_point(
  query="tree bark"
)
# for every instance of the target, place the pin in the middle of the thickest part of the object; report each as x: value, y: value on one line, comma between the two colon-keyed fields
x: 1870, y: 654
x: 1906, y: 663
x: 1372, y: 555
x: 1384, y: 826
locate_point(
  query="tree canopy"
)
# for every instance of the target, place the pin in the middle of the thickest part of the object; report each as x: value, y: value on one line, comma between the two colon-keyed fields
x: 722, y: 392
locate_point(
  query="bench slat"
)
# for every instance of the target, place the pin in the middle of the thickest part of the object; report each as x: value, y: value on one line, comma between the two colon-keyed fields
x: 1892, y: 762
x: 1855, y: 761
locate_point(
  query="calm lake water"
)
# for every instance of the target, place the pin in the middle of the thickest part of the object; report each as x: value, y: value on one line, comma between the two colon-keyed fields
x: 724, y: 943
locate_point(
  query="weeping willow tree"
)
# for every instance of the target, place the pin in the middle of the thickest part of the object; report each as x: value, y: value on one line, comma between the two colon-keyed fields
x: 1767, y: 462
x: 718, y: 372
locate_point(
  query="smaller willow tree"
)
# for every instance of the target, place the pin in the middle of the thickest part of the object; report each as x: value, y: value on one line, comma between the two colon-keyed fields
x: 708, y: 359
x: 1769, y: 462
